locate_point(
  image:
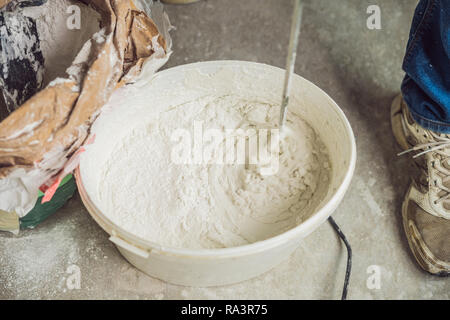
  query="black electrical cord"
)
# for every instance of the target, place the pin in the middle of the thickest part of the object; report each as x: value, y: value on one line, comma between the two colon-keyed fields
x: 349, y: 257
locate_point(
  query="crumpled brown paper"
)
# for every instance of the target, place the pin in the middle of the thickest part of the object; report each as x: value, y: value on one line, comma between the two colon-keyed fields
x: 42, y: 134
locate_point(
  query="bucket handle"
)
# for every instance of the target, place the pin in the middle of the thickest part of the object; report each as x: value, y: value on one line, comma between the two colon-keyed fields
x: 125, y: 245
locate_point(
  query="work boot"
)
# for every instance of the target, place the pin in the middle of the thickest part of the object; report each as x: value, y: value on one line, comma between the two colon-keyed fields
x: 426, y: 207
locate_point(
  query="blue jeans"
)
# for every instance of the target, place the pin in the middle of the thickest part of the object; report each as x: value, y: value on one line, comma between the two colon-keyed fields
x: 426, y: 86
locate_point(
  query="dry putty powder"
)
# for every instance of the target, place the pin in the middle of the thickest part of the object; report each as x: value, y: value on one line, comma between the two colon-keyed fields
x: 60, y: 41
x: 130, y: 174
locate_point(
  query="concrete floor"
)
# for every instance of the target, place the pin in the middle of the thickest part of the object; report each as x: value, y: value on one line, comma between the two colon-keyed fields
x: 361, y: 70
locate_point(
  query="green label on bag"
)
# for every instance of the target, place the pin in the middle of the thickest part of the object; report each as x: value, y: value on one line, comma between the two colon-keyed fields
x: 41, y: 211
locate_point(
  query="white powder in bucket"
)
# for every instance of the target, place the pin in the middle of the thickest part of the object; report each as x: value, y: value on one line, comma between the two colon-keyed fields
x: 133, y: 173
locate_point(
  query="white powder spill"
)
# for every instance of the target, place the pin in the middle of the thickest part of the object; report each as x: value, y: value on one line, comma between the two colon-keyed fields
x: 131, y: 175
x: 59, y: 43
x: 29, y: 261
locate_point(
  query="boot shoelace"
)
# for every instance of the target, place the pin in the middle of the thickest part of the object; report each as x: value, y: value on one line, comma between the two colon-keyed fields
x: 439, y: 147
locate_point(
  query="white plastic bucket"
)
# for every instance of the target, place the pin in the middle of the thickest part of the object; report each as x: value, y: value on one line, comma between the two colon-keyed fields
x: 214, y: 267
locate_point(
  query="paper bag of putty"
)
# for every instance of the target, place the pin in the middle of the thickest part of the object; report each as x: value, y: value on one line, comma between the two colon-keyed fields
x: 60, y: 62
